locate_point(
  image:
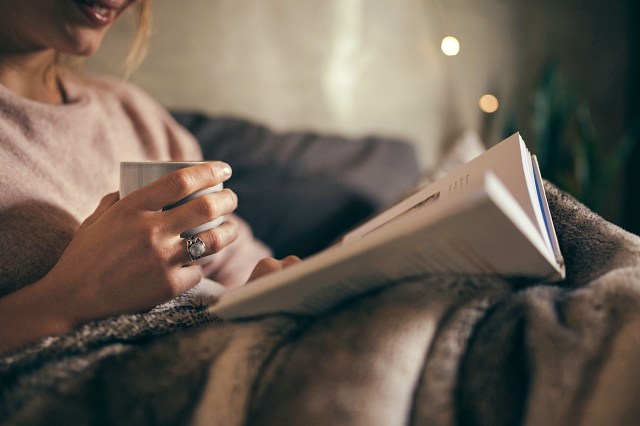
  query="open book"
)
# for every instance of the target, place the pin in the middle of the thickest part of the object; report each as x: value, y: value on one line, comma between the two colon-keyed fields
x: 488, y: 217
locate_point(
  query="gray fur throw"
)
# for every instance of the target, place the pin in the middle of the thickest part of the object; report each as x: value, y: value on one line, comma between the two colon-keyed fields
x: 436, y: 351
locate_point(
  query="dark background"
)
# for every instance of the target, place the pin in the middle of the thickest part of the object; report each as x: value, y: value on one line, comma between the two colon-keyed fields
x: 631, y: 215
x: 594, y: 47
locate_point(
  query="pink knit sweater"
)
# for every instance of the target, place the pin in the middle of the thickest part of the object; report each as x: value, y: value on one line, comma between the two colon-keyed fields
x: 58, y: 161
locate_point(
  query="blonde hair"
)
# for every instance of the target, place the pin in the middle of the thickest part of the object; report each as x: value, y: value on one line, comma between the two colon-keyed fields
x: 140, y: 45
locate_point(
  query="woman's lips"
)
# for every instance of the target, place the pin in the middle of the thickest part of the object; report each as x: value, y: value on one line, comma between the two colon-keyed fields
x: 99, y: 13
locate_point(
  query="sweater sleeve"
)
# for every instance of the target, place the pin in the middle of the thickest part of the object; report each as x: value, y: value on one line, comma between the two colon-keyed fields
x: 182, y: 145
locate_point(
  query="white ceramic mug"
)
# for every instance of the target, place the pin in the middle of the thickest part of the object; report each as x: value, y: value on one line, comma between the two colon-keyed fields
x: 136, y: 174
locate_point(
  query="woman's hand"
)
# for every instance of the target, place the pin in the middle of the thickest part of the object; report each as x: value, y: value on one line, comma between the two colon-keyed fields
x: 269, y: 265
x: 128, y: 255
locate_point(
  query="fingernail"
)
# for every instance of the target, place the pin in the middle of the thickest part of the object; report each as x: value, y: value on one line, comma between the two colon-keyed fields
x: 226, y: 171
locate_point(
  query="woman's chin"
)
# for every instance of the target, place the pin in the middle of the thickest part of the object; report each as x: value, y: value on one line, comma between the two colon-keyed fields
x: 83, y: 46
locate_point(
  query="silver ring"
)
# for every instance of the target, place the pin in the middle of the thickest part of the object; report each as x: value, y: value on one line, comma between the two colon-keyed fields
x: 195, y: 247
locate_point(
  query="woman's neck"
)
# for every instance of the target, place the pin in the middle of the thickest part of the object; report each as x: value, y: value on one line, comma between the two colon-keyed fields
x: 32, y: 75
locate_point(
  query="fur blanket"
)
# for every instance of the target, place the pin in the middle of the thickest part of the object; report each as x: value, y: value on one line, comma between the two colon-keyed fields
x: 439, y: 350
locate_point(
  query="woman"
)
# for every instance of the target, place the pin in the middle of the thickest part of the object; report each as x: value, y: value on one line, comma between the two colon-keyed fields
x: 63, y: 261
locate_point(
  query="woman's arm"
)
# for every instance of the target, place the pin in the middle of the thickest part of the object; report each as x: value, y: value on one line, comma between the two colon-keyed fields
x: 32, y: 312
x: 126, y: 257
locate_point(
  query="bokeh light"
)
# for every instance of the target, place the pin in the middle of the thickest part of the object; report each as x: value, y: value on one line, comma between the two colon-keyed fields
x: 450, y: 46
x: 489, y: 103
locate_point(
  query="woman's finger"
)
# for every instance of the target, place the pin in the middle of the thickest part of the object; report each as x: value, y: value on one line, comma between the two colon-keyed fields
x: 290, y: 260
x: 175, y: 186
x: 185, y: 278
x: 269, y: 265
x: 211, y: 241
x: 200, y: 210
x: 106, y: 202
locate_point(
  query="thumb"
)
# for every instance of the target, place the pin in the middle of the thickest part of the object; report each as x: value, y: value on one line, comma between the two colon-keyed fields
x: 106, y: 202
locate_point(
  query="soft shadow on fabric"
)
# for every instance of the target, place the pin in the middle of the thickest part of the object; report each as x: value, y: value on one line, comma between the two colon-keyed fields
x: 34, y: 235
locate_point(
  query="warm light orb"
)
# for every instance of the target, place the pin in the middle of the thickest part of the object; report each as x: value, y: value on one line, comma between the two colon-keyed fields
x: 489, y: 103
x: 450, y: 46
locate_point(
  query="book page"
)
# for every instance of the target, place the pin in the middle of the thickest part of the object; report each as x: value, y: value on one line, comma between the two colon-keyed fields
x: 544, y: 205
x: 534, y: 193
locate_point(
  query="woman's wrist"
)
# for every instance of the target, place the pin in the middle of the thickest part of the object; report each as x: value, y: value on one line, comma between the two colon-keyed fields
x: 31, y: 313
x: 58, y: 304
